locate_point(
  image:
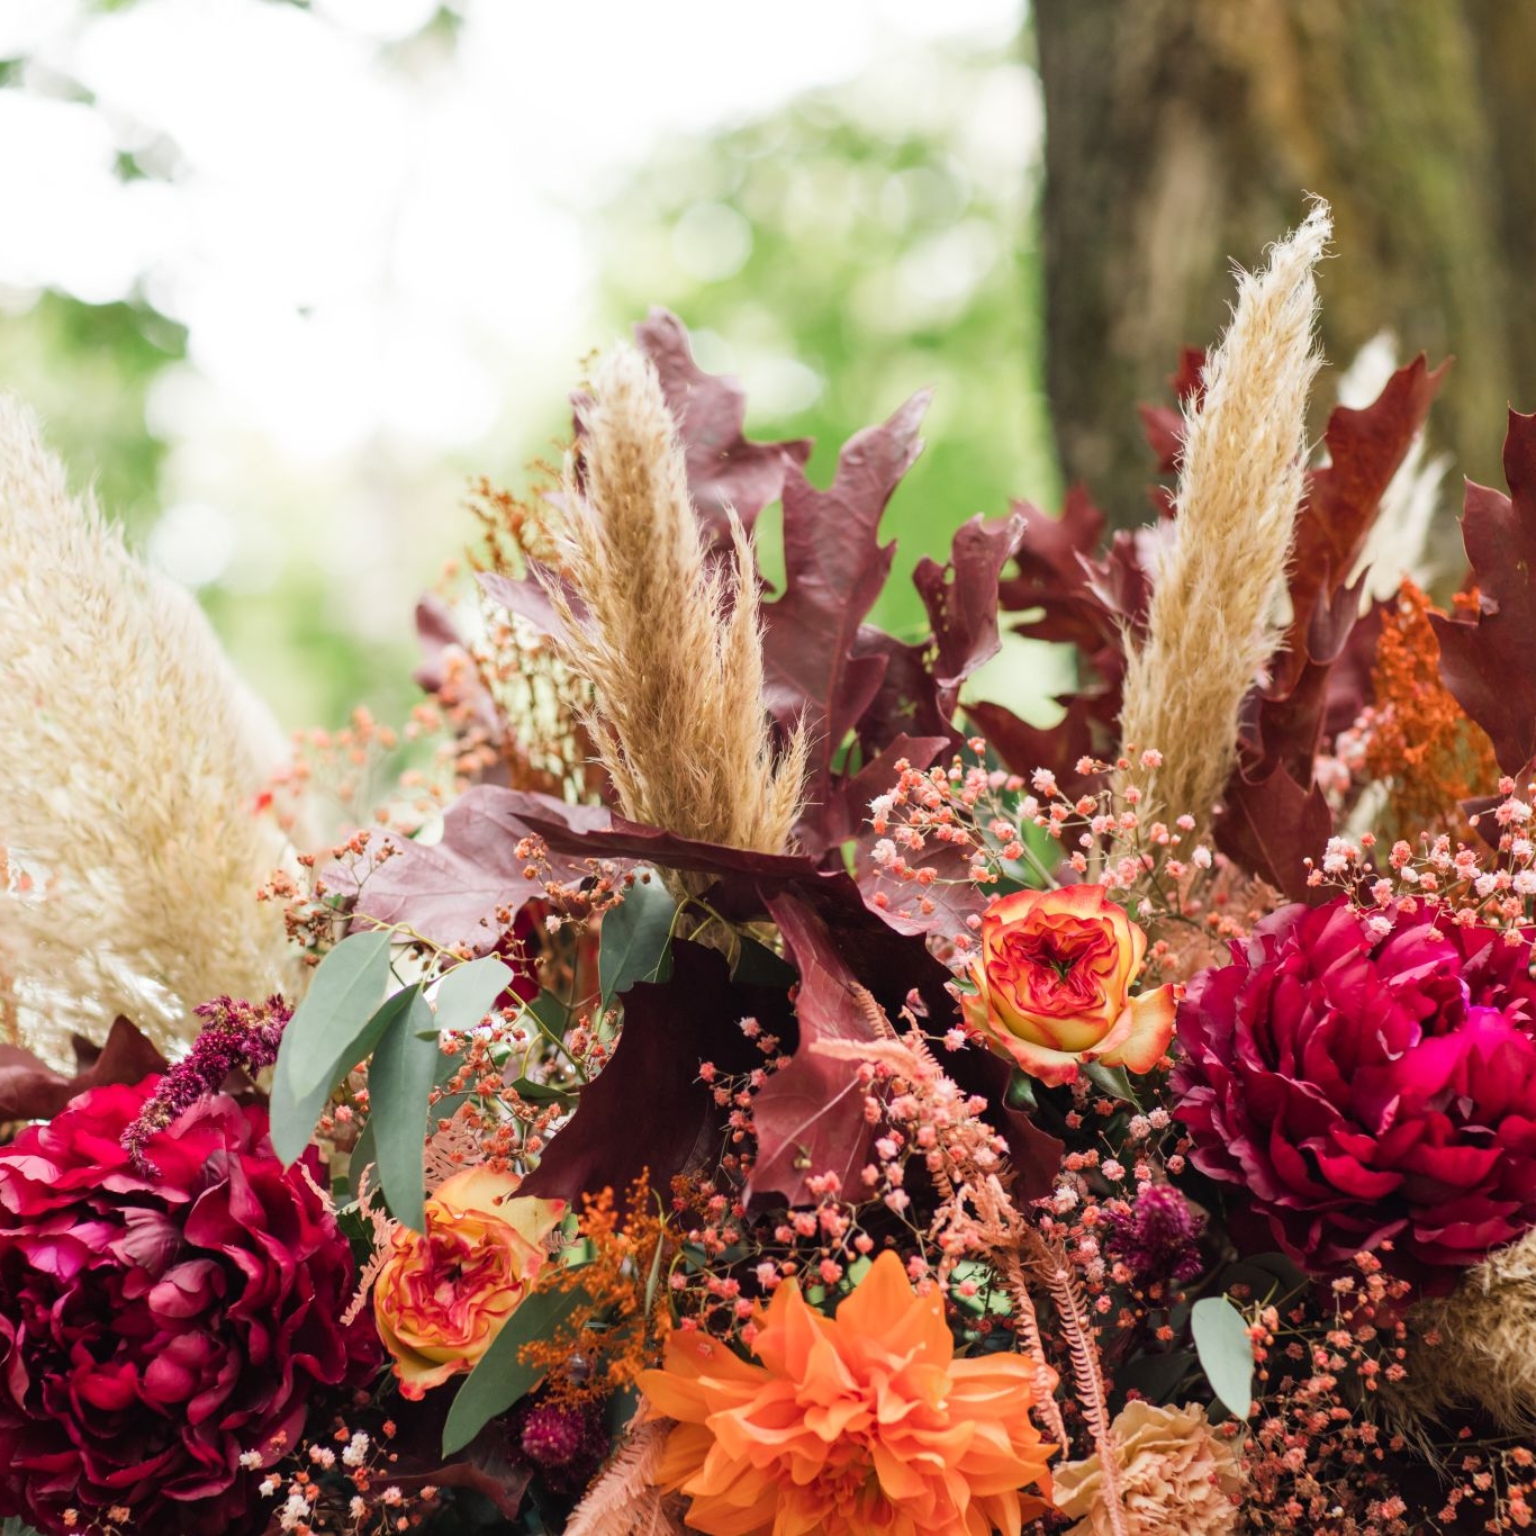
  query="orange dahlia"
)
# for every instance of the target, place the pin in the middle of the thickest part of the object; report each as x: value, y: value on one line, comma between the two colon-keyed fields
x: 859, y: 1424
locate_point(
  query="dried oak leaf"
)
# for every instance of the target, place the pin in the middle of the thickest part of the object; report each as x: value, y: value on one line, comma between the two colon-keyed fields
x: 835, y: 567
x: 1490, y: 665
x: 32, y: 1090
x: 725, y: 468
x: 648, y: 1112
x: 810, y: 1116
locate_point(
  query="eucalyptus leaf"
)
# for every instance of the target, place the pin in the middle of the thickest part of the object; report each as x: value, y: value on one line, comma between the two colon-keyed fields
x: 544, y: 1093
x: 636, y: 939
x: 294, y: 1114
x: 500, y: 1378
x: 468, y: 992
x: 343, y: 995
x: 400, y: 1083
x: 1226, y: 1352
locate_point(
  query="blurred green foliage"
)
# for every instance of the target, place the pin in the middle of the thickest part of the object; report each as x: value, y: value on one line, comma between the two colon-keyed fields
x: 838, y: 254
x: 87, y: 370
x: 880, y: 259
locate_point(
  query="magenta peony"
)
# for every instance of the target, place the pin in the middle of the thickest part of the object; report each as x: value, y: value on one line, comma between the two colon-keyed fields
x: 162, y: 1336
x: 1368, y: 1078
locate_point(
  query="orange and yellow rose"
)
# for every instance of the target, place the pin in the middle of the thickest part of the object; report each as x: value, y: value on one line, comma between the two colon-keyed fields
x: 444, y: 1294
x: 851, y: 1424
x: 1053, y: 985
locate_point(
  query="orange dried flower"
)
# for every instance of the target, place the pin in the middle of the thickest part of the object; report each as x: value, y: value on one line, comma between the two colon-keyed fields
x: 1420, y: 738
x: 862, y: 1422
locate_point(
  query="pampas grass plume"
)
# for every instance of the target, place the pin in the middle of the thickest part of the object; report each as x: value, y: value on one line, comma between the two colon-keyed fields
x: 130, y: 756
x: 669, y: 641
x: 1214, y: 618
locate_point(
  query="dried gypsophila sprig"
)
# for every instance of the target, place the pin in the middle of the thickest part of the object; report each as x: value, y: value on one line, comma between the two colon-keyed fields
x: 130, y: 759
x: 1154, y: 869
x: 1213, y: 620
x: 671, y: 647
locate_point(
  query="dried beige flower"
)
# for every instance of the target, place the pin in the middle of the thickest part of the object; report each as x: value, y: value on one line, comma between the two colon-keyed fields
x: 130, y: 757
x: 671, y: 647
x: 1178, y: 1477
x: 1481, y: 1349
x: 1219, y: 583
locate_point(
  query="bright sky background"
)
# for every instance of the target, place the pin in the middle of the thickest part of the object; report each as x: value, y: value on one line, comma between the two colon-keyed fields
x: 378, y: 242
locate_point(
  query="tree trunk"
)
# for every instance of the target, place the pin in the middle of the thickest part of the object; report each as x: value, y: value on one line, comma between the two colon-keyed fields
x: 1183, y: 134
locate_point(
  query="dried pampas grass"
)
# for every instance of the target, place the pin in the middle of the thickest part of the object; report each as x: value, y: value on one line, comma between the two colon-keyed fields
x: 130, y: 755
x: 671, y: 646
x: 1214, y: 617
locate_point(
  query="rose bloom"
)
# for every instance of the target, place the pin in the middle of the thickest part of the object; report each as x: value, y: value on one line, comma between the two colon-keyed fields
x: 861, y: 1423
x: 1053, y: 979
x: 1178, y: 1477
x: 1361, y: 1089
x: 444, y: 1294
x: 155, y: 1327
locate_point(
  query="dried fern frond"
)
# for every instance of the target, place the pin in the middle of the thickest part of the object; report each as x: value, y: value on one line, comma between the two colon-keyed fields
x: 1213, y: 621
x: 130, y: 758
x: 671, y: 647
x: 623, y: 1500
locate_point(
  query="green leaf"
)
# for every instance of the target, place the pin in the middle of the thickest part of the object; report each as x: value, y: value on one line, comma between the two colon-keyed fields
x: 758, y: 966
x: 500, y: 1378
x: 636, y: 939
x: 400, y: 1083
x: 467, y: 993
x: 342, y: 997
x: 1021, y: 1091
x: 1115, y: 1081
x: 294, y: 1114
x: 1226, y: 1352
x: 544, y: 1093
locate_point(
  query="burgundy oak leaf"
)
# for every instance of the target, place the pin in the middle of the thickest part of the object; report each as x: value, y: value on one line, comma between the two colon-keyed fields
x: 1490, y: 665
x: 648, y: 1112
x: 467, y: 888
x: 725, y: 469
x: 810, y: 1115
x: 1366, y: 448
x: 1269, y: 826
x: 32, y: 1090
x: 962, y: 597
x: 835, y: 567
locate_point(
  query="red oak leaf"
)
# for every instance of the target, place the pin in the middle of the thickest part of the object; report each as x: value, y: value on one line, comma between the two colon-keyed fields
x: 1490, y: 665
x: 810, y: 1115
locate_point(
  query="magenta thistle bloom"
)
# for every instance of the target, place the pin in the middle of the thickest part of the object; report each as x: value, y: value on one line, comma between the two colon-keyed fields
x: 1158, y: 1238
x: 1365, y: 1088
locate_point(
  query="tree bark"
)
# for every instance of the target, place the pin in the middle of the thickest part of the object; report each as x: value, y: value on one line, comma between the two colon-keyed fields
x: 1184, y: 134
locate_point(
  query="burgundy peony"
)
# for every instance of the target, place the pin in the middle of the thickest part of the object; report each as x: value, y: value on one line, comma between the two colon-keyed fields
x: 156, y: 1328
x: 1368, y: 1078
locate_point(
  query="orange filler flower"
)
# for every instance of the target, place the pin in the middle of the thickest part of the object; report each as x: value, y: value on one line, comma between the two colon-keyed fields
x: 863, y: 1423
x: 444, y: 1294
x: 1053, y: 979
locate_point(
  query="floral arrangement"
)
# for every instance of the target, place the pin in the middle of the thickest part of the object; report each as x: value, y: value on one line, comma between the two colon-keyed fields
x: 735, y: 1079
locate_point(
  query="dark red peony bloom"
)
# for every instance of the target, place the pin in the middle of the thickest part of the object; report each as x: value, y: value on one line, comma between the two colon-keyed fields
x: 1368, y: 1078
x: 156, y: 1328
